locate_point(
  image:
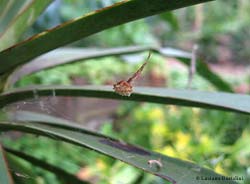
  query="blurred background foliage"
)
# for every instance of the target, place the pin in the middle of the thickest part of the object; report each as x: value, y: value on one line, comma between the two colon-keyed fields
x: 206, y: 24
x: 219, y: 140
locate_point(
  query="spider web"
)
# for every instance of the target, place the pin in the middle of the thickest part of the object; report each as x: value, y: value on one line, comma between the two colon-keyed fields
x: 45, y: 105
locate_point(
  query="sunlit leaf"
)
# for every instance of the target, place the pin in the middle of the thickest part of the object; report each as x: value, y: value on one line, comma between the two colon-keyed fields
x: 16, y: 17
x: 9, y: 10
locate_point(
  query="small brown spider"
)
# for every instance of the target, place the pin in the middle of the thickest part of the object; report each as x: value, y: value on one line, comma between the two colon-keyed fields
x: 125, y: 88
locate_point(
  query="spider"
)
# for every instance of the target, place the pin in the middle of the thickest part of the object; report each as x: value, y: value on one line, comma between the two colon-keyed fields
x: 157, y: 163
x: 125, y: 88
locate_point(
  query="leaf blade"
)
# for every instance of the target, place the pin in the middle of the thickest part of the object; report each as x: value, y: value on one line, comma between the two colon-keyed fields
x: 60, y: 173
x: 17, y: 55
x: 66, y: 56
x: 28, y: 13
x: 174, y: 170
x: 214, y: 100
x: 4, y: 172
x: 213, y: 78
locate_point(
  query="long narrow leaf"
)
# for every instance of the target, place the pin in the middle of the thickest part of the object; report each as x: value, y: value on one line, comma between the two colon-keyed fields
x: 65, y: 56
x: 70, y: 55
x: 119, y: 13
x: 214, y: 100
x: 4, y: 169
x: 20, y: 172
x: 202, y: 69
x: 29, y: 11
x: 9, y: 11
x: 60, y: 173
x: 173, y: 170
x: 206, y: 73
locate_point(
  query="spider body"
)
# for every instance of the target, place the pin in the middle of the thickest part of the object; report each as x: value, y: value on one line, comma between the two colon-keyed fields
x: 125, y: 88
x: 155, y: 163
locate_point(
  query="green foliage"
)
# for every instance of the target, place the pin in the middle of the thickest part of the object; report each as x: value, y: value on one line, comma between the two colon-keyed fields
x: 4, y: 174
x: 161, y: 128
x: 222, y: 29
x: 212, y: 139
x: 91, y: 71
x: 135, y: 33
